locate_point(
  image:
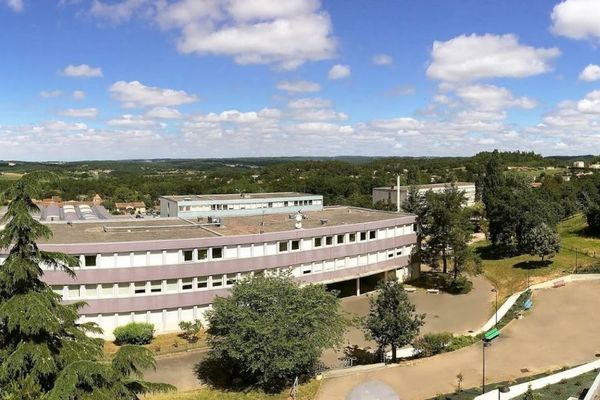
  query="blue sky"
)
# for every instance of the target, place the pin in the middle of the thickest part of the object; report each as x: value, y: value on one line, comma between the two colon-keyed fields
x: 101, y: 79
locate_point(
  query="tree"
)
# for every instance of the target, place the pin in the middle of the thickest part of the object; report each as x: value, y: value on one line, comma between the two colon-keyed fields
x: 593, y: 218
x: 271, y: 330
x: 44, y: 352
x: 392, y: 320
x: 191, y: 329
x: 541, y: 241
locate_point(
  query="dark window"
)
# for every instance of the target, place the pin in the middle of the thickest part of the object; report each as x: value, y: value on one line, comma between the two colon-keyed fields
x: 372, y: 234
x: 140, y: 288
x: 217, y: 252
x: 202, y: 283
x: 186, y: 284
x: 340, y: 239
x: 231, y: 279
x: 363, y: 236
x: 188, y: 255
x: 202, y: 254
x: 295, y: 244
x: 90, y: 261
x: 217, y: 281
x: 283, y: 246
x: 318, y: 242
x: 414, y: 227
x: 329, y: 240
x: 352, y: 237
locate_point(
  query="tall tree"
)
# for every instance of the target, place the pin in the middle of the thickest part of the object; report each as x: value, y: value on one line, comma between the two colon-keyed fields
x: 541, y: 241
x: 271, y: 330
x: 392, y: 319
x: 44, y: 352
x: 493, y: 177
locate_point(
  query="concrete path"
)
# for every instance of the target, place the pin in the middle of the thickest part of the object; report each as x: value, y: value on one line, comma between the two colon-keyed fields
x: 561, y: 330
x: 177, y: 370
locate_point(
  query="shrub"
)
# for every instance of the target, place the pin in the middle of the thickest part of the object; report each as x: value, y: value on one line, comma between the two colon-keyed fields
x: 134, y: 333
x: 460, y: 285
x: 458, y: 342
x: 432, y: 343
x: 190, y: 329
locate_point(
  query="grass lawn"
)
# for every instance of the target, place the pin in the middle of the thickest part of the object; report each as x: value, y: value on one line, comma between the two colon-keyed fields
x: 163, y: 344
x: 510, y: 274
x: 306, y: 391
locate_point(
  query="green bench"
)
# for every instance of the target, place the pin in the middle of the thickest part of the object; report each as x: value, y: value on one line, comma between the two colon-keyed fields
x: 491, y: 334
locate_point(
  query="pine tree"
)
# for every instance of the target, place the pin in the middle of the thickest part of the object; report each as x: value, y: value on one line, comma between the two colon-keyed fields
x: 44, y: 352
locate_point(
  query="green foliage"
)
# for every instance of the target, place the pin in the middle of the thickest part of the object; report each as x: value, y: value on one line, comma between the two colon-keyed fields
x: 593, y: 219
x: 44, y: 352
x: 191, y: 329
x: 432, y: 343
x: 134, y: 333
x: 270, y: 330
x: 392, y: 320
x: 541, y: 241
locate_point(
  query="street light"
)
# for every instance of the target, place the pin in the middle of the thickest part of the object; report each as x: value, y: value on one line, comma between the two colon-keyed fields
x: 485, y: 344
x: 503, y: 389
x: 496, y: 291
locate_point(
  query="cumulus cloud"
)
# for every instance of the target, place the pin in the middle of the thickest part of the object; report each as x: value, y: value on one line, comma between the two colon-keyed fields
x: 134, y: 121
x: 298, y: 86
x: 163, y: 113
x: 382, y: 59
x: 469, y: 58
x: 15, y: 5
x: 490, y: 97
x: 79, y: 95
x: 590, y: 104
x: 136, y: 95
x: 79, y: 112
x: 117, y: 12
x: 577, y: 19
x: 50, y: 93
x: 313, y: 109
x: 82, y: 71
x: 591, y: 73
x: 339, y: 71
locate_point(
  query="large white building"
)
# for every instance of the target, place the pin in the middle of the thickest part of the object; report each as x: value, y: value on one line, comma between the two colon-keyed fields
x: 391, y: 194
x: 168, y: 270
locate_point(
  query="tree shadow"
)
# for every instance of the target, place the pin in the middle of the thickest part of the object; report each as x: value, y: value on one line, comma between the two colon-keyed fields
x: 495, y: 252
x: 533, y: 264
x: 361, y: 355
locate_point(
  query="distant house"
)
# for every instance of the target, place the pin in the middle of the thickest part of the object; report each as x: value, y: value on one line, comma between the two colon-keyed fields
x: 134, y: 207
x: 578, y: 164
x: 594, y: 166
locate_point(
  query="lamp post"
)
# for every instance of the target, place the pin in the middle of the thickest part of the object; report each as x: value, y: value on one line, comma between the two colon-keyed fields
x: 496, y: 291
x: 503, y: 389
x: 485, y: 344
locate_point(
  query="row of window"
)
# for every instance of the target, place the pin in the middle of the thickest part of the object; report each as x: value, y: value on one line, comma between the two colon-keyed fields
x: 128, y: 289
x: 240, y: 251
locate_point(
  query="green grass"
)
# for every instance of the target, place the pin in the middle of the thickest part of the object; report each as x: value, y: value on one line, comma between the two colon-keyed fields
x: 307, y: 391
x: 510, y: 274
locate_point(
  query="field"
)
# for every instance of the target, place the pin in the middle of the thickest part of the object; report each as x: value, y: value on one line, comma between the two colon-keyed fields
x: 511, y: 274
x: 306, y: 391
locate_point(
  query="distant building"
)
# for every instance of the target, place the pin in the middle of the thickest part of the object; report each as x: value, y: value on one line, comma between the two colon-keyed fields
x: 97, y: 199
x: 244, y: 204
x: 594, y: 166
x: 134, y: 207
x: 578, y: 164
x: 390, y: 194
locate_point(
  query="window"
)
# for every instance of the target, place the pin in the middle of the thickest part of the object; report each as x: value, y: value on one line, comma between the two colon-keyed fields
x: 352, y: 237
x: 414, y: 226
x: 90, y: 261
x: 217, y: 252
x: 155, y: 286
x: 186, y: 284
x: 202, y: 254
x: 188, y: 255
x: 91, y: 290
x: 295, y: 244
x: 340, y: 239
x: 172, y: 285
x: 318, y: 242
x: 140, y: 287
x: 107, y: 289
x: 283, y: 246
x: 399, y: 253
x: 231, y: 278
x: 73, y: 292
x: 123, y: 289
x: 202, y: 282
x: 363, y: 236
x: 329, y: 240
x: 217, y: 280
x: 372, y: 234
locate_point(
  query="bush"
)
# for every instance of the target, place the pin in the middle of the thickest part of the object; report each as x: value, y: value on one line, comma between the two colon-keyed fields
x: 134, y: 333
x: 458, y: 342
x: 460, y: 285
x: 190, y: 330
x: 432, y: 343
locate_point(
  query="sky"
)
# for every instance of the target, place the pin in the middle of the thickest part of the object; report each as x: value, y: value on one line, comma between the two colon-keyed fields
x: 124, y: 79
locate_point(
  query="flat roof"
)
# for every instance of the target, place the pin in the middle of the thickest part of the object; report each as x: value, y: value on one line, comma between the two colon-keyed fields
x: 175, y: 228
x: 236, y: 196
x: 427, y: 186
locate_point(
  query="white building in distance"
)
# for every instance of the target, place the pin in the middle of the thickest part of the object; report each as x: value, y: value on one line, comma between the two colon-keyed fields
x: 392, y: 194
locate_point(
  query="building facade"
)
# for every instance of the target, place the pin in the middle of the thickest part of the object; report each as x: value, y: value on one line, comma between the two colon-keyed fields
x: 390, y: 194
x: 227, y: 205
x: 164, y: 271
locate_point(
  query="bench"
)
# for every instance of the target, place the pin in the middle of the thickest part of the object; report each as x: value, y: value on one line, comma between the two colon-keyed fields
x: 527, y: 304
x: 559, y: 283
x: 491, y: 334
x: 433, y: 291
x: 410, y: 289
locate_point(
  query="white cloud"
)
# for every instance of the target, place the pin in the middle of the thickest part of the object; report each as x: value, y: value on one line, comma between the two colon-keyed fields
x: 163, y: 113
x: 577, y: 19
x: 136, y: 95
x: 79, y: 112
x: 117, y: 12
x: 490, y: 97
x: 590, y: 104
x: 15, y: 5
x: 470, y: 58
x: 591, y: 73
x: 79, y: 95
x: 50, y: 93
x: 244, y: 10
x: 134, y: 121
x: 339, y: 71
x: 298, y: 86
x: 313, y: 109
x: 382, y: 59
x: 82, y: 71
x: 184, y: 12
x: 315, y: 102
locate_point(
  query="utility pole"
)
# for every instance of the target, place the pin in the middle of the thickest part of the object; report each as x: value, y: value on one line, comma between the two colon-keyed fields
x: 397, y: 193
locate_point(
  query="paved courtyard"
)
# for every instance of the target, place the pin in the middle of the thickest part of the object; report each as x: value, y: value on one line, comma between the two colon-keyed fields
x: 562, y: 330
